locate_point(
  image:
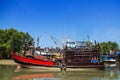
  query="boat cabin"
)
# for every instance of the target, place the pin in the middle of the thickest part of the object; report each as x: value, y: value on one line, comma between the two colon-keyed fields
x: 82, y: 55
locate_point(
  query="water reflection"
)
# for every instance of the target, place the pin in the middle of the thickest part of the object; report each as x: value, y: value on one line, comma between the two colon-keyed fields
x: 59, y: 76
x: 110, y: 66
x: 110, y: 73
x: 38, y: 76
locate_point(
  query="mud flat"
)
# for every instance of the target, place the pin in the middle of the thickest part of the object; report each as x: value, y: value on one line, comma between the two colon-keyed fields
x: 7, y: 62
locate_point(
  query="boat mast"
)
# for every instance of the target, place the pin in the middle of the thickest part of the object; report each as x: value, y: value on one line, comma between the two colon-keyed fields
x: 38, y: 41
x: 54, y: 41
x: 64, y: 39
x: 33, y: 50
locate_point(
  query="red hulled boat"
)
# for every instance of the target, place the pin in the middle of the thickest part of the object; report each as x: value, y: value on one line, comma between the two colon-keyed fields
x: 71, y: 58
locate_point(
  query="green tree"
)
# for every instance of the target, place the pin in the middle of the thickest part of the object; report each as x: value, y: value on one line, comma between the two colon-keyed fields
x: 12, y: 39
x: 105, y: 47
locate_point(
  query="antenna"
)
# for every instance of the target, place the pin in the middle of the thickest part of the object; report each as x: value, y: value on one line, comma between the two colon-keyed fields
x: 65, y: 32
x: 88, y: 37
x: 38, y: 41
x: 41, y: 38
x: 64, y: 38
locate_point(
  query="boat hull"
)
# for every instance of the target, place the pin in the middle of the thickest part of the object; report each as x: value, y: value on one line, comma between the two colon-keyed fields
x: 51, y: 65
x: 110, y: 61
x: 92, y: 65
x: 41, y: 68
x: 32, y: 68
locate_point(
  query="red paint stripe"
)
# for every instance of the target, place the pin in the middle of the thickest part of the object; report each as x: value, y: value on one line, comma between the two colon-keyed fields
x: 33, y: 61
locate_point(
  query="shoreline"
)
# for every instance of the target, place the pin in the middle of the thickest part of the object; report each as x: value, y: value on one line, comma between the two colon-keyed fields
x: 10, y: 62
x: 7, y: 62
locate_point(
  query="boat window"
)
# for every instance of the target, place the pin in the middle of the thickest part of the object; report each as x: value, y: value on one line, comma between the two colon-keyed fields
x: 70, y: 44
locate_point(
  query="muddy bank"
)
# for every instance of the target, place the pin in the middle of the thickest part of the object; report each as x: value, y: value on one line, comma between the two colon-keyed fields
x: 7, y: 62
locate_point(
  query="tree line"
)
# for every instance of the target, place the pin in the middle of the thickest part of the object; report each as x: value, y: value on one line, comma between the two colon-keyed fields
x: 12, y: 39
x: 106, y: 47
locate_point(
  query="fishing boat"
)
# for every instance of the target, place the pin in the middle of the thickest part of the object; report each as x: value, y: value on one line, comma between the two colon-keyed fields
x: 36, y: 61
x: 108, y: 58
x: 118, y: 56
x: 78, y: 56
x: 82, y: 54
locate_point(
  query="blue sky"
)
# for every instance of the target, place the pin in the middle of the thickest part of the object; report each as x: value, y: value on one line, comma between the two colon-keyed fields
x: 100, y: 19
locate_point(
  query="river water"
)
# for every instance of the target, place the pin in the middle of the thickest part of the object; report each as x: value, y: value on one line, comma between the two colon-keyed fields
x: 109, y: 73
